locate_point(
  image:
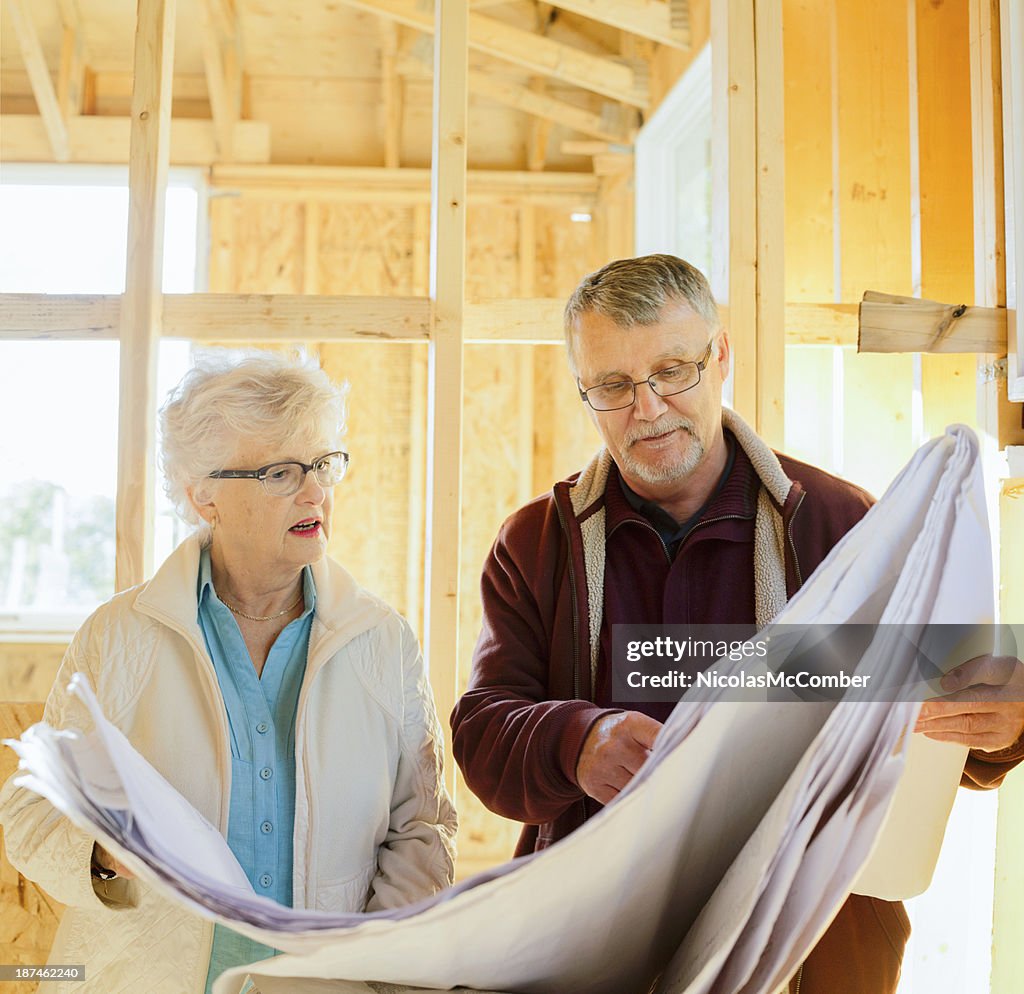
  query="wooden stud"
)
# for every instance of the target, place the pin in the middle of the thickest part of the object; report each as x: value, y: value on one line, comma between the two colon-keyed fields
x: 71, y: 79
x: 23, y: 138
x: 526, y: 49
x: 224, y: 92
x: 771, y: 196
x: 141, y: 305
x: 447, y: 282
x: 311, y: 248
x: 50, y: 112
x: 391, y: 85
x: 654, y: 19
x: 1000, y: 420
x: 524, y: 357
x: 1012, y: 44
x: 734, y: 193
x: 944, y: 215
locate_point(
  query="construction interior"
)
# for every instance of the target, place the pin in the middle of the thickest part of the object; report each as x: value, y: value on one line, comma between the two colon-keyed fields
x: 412, y: 193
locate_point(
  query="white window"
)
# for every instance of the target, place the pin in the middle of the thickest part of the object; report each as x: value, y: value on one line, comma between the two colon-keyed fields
x: 64, y: 230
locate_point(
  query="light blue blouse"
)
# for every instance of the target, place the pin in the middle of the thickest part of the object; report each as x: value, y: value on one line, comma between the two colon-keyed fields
x: 261, y: 720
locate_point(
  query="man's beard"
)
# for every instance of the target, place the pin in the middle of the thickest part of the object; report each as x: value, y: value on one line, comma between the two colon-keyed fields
x: 677, y: 468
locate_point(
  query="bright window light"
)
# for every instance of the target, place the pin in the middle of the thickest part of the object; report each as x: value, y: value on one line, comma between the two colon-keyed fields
x: 64, y: 231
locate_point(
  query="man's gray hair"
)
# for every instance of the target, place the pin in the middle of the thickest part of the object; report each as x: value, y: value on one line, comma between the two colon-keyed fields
x: 634, y: 292
x: 231, y: 396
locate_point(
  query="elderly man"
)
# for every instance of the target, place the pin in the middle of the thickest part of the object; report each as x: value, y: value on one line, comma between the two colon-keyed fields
x: 685, y: 517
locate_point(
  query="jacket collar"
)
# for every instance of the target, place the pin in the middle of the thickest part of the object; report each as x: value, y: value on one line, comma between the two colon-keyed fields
x: 588, y: 489
x: 343, y: 608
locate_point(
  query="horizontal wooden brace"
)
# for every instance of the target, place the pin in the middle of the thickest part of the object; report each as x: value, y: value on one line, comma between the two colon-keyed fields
x: 891, y: 323
x: 230, y: 317
x: 95, y: 139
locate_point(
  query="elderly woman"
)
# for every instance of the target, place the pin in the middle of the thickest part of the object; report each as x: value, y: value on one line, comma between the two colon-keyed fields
x: 286, y: 703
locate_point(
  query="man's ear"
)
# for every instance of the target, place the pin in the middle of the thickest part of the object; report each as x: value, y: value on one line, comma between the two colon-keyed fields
x: 722, y: 352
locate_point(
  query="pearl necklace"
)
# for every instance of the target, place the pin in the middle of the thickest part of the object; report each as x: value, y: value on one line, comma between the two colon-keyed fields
x: 256, y: 617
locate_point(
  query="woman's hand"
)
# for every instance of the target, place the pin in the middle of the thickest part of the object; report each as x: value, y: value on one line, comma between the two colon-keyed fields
x: 104, y: 861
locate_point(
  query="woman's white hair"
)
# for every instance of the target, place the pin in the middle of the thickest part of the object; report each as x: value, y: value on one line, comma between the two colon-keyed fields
x: 230, y: 396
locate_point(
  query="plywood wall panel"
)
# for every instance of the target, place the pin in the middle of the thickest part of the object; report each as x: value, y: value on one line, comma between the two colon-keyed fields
x: 372, y: 505
x: 874, y: 148
x: 492, y: 252
x: 808, y: 151
x: 268, y: 241
x: 365, y: 250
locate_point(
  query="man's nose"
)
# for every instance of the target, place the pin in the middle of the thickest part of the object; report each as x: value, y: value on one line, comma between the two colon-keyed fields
x: 648, y: 406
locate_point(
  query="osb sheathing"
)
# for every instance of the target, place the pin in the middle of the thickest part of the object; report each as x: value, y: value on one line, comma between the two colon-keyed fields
x: 258, y: 246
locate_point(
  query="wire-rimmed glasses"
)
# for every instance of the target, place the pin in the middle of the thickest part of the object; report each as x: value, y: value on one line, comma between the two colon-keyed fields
x: 282, y: 479
x: 667, y: 382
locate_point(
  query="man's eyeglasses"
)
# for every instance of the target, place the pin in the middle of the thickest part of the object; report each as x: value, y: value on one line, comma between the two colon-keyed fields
x: 667, y: 382
x: 282, y: 479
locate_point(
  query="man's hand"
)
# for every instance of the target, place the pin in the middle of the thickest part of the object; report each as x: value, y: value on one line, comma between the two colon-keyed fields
x: 102, y: 858
x: 614, y: 749
x: 983, y: 707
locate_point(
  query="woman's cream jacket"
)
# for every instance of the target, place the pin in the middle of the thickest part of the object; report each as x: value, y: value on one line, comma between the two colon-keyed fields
x: 374, y: 826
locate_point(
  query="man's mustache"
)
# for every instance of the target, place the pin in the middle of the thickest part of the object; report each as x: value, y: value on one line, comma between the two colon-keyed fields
x: 640, y: 432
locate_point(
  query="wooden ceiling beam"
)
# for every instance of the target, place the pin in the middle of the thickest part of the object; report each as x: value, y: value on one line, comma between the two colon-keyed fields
x: 23, y: 138
x: 663, y: 21
x: 548, y: 108
x: 220, y: 42
x: 71, y: 78
x: 611, y: 78
x: 50, y: 111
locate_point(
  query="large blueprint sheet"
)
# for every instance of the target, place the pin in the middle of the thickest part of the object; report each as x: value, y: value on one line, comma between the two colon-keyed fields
x: 716, y: 870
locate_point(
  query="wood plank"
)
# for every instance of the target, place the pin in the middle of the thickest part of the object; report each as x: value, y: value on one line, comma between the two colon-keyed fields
x: 995, y: 414
x: 50, y: 112
x: 654, y: 19
x: 142, y: 302
x: 524, y: 48
x: 944, y: 217
x: 401, y: 186
x: 282, y: 317
x: 1012, y: 42
x: 891, y: 323
x: 391, y: 93
x: 771, y: 223
x: 224, y: 92
x: 542, y: 105
x: 71, y: 78
x: 444, y: 405
x: 734, y: 190
x: 23, y: 138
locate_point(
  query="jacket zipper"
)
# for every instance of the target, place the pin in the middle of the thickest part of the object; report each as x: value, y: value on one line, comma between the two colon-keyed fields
x: 575, y: 609
x: 798, y: 979
x: 792, y: 548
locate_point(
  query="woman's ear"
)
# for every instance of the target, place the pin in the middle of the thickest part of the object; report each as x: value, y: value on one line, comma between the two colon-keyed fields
x: 201, y: 499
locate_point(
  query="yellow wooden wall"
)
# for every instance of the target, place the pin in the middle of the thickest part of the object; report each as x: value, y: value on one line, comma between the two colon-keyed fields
x: 878, y: 197
x: 524, y: 426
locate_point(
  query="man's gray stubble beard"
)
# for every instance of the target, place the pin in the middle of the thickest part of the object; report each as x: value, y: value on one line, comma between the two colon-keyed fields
x: 664, y: 473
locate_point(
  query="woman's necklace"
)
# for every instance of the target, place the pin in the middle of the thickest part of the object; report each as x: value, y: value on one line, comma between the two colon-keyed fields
x: 256, y: 617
